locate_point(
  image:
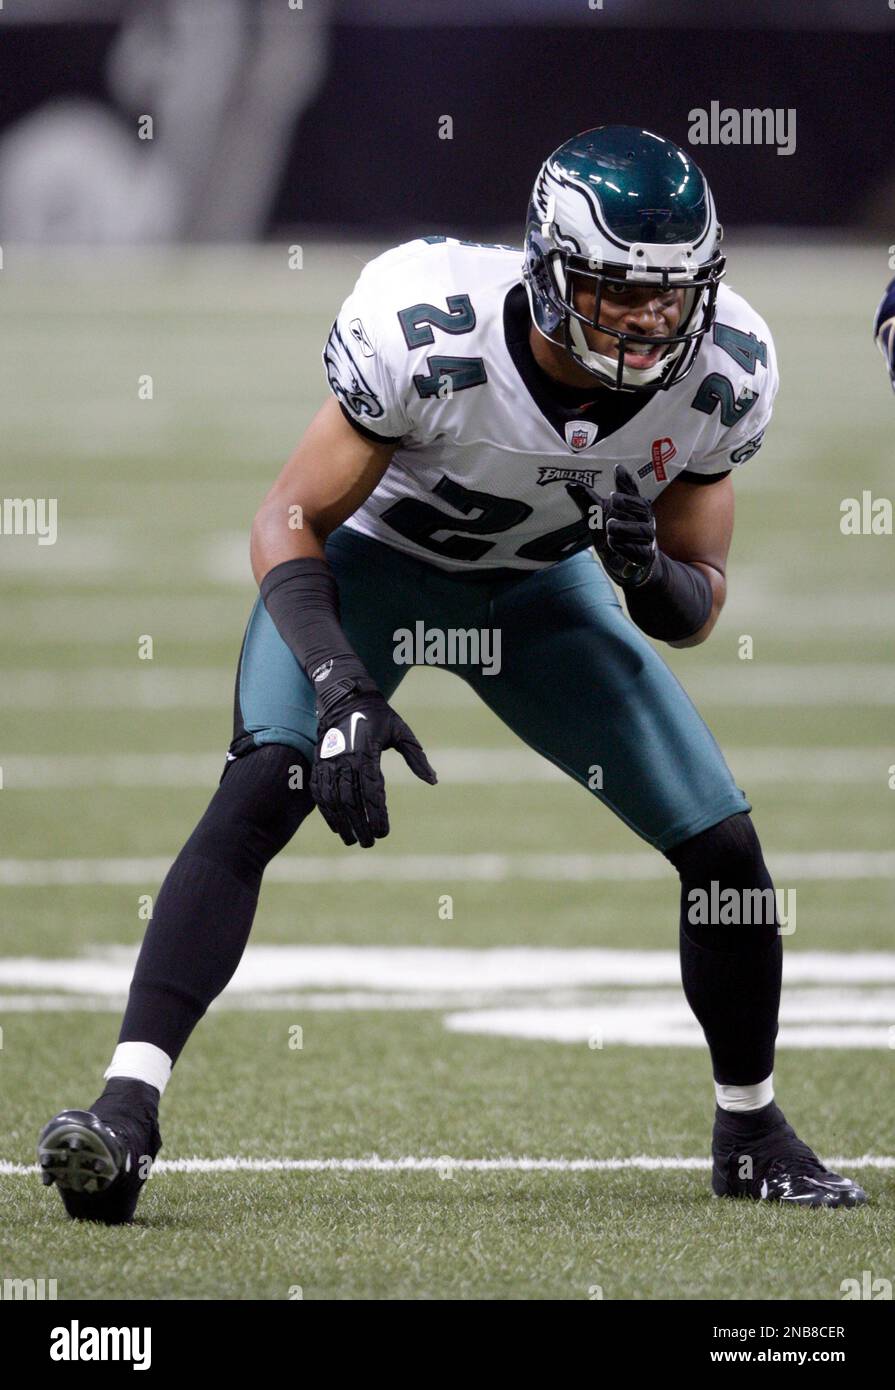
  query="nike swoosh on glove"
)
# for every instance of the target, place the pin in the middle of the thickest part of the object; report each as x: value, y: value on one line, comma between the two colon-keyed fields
x: 346, y: 780
x: 623, y: 526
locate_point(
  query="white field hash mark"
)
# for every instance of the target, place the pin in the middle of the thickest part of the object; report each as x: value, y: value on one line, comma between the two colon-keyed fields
x: 642, y: 1163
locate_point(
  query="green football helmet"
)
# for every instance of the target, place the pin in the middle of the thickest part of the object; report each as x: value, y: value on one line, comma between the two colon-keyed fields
x: 618, y: 206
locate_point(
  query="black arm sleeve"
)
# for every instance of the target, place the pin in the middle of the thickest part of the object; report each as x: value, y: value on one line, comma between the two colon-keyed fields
x: 673, y: 603
x: 302, y: 598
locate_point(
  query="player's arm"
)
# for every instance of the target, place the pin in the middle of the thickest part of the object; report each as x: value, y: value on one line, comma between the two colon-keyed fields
x: 332, y: 471
x: 669, y: 558
x: 694, y: 525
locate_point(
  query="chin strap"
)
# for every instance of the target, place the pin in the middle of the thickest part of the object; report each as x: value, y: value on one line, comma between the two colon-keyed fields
x: 608, y: 366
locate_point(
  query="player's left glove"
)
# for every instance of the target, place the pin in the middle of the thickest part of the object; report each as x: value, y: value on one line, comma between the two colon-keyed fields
x: 346, y: 781
x: 623, y: 526
x: 884, y: 329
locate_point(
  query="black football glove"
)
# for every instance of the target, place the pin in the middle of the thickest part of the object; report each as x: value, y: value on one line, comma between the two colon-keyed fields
x: 346, y: 780
x: 623, y: 526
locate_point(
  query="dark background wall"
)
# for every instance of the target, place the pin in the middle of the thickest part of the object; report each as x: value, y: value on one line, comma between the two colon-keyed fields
x: 365, y: 155
x: 515, y: 94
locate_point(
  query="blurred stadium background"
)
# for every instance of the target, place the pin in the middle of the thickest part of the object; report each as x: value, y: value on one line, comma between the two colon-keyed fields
x: 175, y: 258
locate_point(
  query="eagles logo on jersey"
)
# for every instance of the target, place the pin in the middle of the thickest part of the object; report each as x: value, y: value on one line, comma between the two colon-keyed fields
x: 443, y: 363
x: 345, y: 377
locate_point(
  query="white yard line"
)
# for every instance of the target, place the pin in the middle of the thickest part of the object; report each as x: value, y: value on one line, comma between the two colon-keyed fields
x: 444, y: 1165
x: 595, y: 997
x: 153, y: 685
x: 786, y: 764
x: 382, y: 867
x: 443, y: 972
x: 107, y: 620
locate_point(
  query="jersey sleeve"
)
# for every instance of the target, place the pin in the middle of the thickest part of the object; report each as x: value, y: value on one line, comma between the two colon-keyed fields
x: 736, y: 443
x: 359, y: 363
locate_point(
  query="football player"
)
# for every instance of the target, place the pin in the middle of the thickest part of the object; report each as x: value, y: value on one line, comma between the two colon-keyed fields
x: 506, y: 435
x: 884, y: 329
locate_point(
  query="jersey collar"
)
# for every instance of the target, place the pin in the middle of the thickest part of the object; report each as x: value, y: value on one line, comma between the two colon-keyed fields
x: 608, y: 410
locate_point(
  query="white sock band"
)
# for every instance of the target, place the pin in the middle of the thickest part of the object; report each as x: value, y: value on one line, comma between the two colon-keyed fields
x: 142, y: 1062
x: 740, y: 1098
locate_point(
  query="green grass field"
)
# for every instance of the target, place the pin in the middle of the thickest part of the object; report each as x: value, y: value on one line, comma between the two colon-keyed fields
x: 407, y: 1054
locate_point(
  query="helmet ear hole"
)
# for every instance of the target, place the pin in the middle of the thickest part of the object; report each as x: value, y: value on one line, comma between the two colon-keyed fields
x: 545, y: 296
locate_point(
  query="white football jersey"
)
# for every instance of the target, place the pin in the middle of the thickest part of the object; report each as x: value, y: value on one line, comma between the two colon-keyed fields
x: 431, y: 348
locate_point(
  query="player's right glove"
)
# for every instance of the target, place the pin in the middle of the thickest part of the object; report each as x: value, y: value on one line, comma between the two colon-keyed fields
x: 884, y: 329
x: 356, y: 724
x: 623, y: 527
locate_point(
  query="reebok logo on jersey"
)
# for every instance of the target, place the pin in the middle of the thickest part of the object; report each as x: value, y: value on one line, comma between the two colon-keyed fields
x: 568, y: 475
x: 346, y: 380
x: 580, y: 434
x: 359, y: 333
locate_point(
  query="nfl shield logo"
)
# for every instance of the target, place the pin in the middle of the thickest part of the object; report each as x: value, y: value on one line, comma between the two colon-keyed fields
x: 580, y: 434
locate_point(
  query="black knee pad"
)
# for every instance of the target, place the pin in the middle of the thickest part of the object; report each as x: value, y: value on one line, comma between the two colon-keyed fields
x: 729, y: 853
x: 261, y: 801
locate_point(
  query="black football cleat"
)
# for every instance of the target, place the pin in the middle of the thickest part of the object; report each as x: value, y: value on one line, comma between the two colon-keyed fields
x: 773, y: 1165
x: 100, y: 1158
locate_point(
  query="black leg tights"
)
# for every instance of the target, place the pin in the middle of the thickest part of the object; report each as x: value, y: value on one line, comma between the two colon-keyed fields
x: 205, y: 907
x: 731, y: 974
